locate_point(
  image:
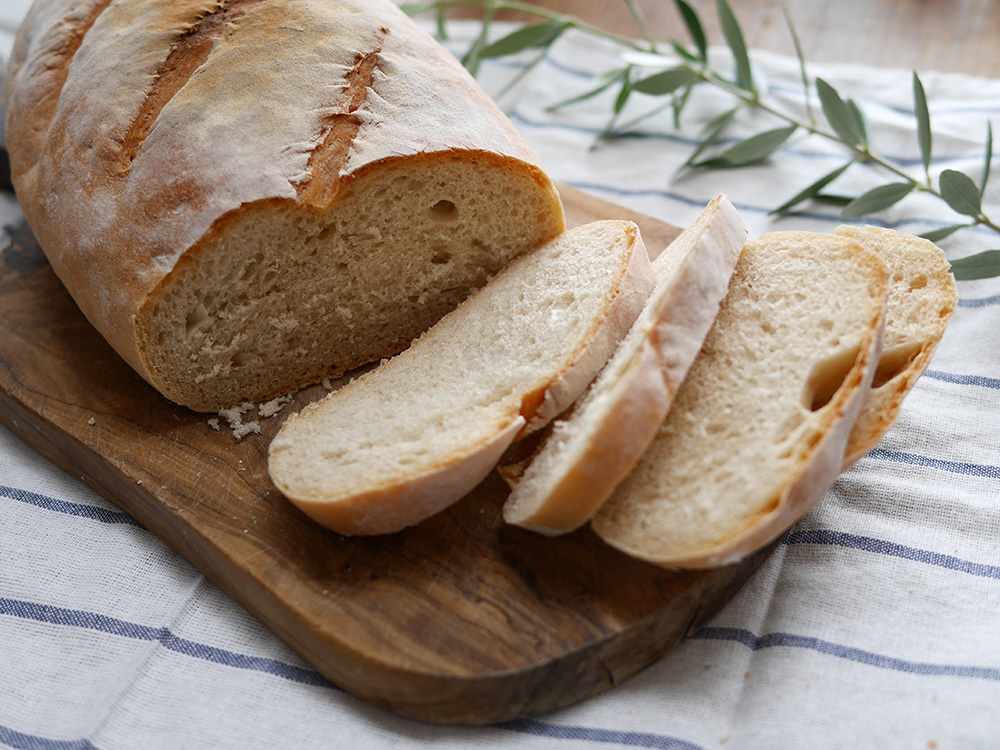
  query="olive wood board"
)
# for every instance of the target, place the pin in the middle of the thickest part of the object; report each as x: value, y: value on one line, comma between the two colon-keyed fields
x: 460, y: 619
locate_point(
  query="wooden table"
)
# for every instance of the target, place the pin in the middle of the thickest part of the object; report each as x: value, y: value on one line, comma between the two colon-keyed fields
x: 949, y: 35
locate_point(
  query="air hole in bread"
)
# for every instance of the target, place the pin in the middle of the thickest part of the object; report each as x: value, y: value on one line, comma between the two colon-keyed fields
x: 444, y: 211
x: 440, y: 258
x: 197, y: 320
x: 241, y: 359
x: 918, y: 282
x: 827, y: 377
x: 893, y: 362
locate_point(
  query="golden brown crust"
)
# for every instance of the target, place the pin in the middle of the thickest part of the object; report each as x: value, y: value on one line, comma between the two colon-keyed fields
x: 124, y: 160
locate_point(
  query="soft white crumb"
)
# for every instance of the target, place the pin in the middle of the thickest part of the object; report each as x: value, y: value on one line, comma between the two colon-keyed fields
x: 214, y: 424
x: 327, y: 385
x: 91, y: 421
x: 273, y: 406
x: 242, y: 430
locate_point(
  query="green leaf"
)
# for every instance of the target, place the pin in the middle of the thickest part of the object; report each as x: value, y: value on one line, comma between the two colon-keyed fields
x: 988, y: 160
x: 985, y: 265
x: 877, y: 199
x: 812, y: 190
x: 441, y: 31
x: 604, y: 81
x: 802, y: 61
x: 624, y: 92
x: 642, y: 59
x: 683, y: 53
x: 752, y: 150
x: 694, y: 27
x: 663, y: 83
x: 472, y: 57
x: 937, y: 235
x: 838, y: 114
x: 710, y: 133
x: 859, y: 121
x: 960, y: 193
x: 415, y: 9
x: 923, y: 121
x: 526, y: 37
x: 734, y: 38
x: 680, y: 101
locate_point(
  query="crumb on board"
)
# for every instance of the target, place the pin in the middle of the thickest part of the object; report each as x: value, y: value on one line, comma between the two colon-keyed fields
x: 91, y: 421
x: 234, y: 416
x: 327, y: 385
x: 272, y: 407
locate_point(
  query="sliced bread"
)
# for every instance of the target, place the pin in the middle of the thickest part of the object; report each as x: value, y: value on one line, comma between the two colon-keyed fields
x: 758, y: 430
x: 583, y: 457
x: 922, y: 299
x: 414, y: 435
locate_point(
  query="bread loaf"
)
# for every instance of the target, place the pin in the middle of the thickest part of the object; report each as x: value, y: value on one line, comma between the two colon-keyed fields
x: 759, y: 427
x: 583, y: 456
x: 246, y: 196
x: 409, y: 438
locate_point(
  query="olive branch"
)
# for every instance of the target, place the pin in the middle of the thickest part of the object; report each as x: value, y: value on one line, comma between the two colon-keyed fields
x: 674, y: 75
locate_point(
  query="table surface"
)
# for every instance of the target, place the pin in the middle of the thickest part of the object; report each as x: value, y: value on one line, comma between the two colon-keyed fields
x: 957, y: 36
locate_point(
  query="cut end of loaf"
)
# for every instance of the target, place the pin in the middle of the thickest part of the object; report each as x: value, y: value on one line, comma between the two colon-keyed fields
x: 287, y: 295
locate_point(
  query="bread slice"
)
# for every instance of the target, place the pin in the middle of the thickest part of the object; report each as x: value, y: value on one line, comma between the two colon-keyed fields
x: 922, y: 299
x: 245, y: 197
x: 583, y: 456
x: 414, y: 435
x: 758, y: 430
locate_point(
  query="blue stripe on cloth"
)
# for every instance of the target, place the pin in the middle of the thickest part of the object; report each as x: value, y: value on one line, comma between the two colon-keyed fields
x: 104, y: 624
x: 977, y: 380
x: 981, y: 302
x: 588, y: 734
x: 860, y: 656
x: 892, y: 549
x: 22, y: 741
x: 74, y: 509
x: 954, y: 467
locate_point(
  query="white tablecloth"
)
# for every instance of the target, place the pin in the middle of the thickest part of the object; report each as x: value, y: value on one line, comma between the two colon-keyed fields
x: 876, y: 623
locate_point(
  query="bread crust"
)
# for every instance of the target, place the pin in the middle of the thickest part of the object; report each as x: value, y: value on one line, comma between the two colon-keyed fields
x: 317, y: 95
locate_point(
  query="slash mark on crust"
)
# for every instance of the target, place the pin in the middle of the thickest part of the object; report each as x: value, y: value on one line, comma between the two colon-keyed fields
x: 338, y: 133
x: 189, y: 54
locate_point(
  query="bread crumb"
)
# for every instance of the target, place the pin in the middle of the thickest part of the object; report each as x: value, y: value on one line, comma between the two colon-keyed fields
x: 234, y: 416
x: 91, y: 421
x: 214, y: 424
x: 327, y: 385
x: 273, y: 406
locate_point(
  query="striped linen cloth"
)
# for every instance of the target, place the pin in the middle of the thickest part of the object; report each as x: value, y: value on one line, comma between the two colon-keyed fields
x: 875, y: 624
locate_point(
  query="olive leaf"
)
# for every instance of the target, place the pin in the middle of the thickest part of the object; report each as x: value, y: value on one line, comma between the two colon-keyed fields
x: 960, y: 193
x: 802, y: 62
x: 877, y: 199
x: 665, y: 82
x: 473, y: 57
x: 695, y: 29
x: 858, y: 117
x: 936, y: 235
x: 985, y: 265
x: 988, y: 160
x: 526, y: 37
x: 710, y: 132
x: 604, y: 81
x: 838, y: 113
x: 812, y: 190
x: 923, y: 122
x: 752, y: 150
x: 734, y: 38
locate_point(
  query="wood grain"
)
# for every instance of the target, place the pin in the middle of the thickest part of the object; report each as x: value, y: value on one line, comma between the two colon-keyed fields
x: 460, y: 619
x: 949, y: 35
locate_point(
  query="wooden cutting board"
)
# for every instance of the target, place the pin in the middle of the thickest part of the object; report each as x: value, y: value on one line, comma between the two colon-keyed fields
x: 461, y: 619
